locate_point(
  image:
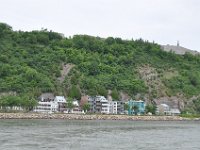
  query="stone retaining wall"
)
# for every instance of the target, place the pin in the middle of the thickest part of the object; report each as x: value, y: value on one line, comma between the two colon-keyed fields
x: 89, y: 117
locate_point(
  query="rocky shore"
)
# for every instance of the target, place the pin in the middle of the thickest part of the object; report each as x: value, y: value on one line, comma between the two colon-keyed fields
x: 90, y: 117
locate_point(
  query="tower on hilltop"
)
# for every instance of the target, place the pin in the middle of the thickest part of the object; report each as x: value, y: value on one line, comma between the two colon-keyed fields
x: 178, y: 44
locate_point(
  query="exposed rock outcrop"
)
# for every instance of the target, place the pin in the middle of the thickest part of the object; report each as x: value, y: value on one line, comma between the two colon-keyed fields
x: 64, y: 72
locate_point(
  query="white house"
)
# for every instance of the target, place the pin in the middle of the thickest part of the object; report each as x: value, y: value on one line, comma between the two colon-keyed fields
x: 112, y: 107
x: 60, y: 99
x: 75, y: 103
x: 61, y: 103
x: 48, y: 105
x: 164, y: 109
x: 174, y: 112
x: 102, y: 105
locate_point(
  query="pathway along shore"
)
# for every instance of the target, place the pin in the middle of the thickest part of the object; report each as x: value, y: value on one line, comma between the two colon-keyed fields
x: 90, y: 117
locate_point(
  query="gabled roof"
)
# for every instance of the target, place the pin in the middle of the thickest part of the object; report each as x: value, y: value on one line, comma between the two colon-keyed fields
x: 164, y: 105
x: 60, y: 99
x: 47, y: 95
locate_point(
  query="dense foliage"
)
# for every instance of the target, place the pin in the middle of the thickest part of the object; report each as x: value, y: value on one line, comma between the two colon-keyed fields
x: 24, y: 103
x: 31, y: 62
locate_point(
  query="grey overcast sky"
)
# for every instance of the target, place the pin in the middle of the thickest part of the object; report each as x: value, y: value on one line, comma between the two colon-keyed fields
x: 162, y: 21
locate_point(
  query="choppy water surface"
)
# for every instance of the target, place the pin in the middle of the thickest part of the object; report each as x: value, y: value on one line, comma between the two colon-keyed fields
x: 98, y: 135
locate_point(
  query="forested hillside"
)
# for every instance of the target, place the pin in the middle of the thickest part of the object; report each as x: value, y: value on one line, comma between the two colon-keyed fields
x: 44, y: 61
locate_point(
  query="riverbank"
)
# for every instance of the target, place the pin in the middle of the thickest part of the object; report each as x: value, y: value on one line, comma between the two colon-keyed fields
x: 90, y: 117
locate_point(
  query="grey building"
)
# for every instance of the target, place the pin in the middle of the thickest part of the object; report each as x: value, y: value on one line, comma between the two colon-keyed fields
x: 120, y: 107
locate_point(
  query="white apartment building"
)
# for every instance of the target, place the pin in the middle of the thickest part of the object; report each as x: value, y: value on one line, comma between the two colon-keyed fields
x: 102, y: 105
x: 46, y: 107
x: 99, y: 104
x: 51, y: 105
x: 112, y: 107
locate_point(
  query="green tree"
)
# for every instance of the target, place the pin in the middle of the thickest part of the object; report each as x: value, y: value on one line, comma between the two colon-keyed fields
x: 4, y: 29
x: 86, y: 107
x: 126, y: 106
x: 150, y: 108
x: 27, y: 103
x: 110, y: 40
x: 197, y: 105
x: 43, y: 38
x: 115, y: 94
x: 4, y: 103
x: 94, y: 69
x: 74, y: 92
x: 102, y: 91
x: 69, y: 104
x: 135, y: 108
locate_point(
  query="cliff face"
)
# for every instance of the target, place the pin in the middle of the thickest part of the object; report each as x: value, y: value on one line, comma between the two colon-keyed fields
x: 159, y: 92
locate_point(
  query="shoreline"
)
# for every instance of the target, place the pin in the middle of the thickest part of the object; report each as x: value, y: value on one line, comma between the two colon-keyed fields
x: 92, y: 117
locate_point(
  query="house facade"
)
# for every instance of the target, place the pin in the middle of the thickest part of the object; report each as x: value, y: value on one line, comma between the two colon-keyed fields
x: 61, y: 101
x: 46, y: 107
x: 136, y: 107
x: 99, y: 104
x: 48, y: 104
x: 112, y: 107
x: 120, y: 107
x: 116, y: 107
x: 92, y: 103
x: 164, y: 109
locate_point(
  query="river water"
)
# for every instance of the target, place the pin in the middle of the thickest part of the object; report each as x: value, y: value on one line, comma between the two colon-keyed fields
x: 98, y: 135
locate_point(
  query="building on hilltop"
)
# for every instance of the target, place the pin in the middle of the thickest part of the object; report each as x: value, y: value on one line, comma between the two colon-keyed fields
x: 177, y: 49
